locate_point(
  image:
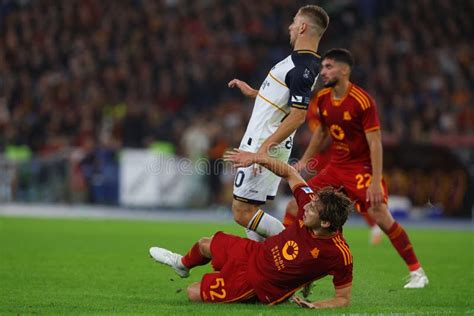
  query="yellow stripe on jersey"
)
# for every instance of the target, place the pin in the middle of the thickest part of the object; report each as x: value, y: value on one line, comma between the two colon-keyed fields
x: 323, y: 92
x: 362, y: 95
x: 362, y: 104
x: 298, y: 106
x: 273, y: 77
x: 273, y: 104
x: 344, y: 245
x: 343, y: 253
x: 346, y: 253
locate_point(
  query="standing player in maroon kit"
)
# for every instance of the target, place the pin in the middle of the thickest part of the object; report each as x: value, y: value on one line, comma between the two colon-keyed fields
x: 318, y: 162
x: 349, y: 115
x: 273, y: 270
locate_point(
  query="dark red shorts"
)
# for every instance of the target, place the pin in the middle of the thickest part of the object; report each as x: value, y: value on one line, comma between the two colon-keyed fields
x: 353, y: 179
x: 229, y: 283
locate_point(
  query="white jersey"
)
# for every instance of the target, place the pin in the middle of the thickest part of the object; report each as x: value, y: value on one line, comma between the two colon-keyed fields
x: 288, y: 84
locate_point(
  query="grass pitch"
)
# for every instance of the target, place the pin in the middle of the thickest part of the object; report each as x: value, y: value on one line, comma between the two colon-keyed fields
x: 102, y: 267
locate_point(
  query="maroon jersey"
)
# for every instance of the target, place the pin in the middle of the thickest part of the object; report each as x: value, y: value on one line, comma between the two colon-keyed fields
x: 347, y: 120
x: 286, y: 262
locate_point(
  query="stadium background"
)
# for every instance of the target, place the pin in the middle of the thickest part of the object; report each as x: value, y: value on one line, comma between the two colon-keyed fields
x: 97, y: 98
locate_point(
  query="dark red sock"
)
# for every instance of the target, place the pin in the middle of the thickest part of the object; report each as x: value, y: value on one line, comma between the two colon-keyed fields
x: 401, y: 242
x: 368, y: 219
x: 194, y: 258
x: 289, y: 219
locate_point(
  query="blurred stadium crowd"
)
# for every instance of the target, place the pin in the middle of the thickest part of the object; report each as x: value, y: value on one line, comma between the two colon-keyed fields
x: 106, y: 74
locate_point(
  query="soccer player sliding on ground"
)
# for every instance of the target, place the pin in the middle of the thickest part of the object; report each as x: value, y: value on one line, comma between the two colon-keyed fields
x: 273, y: 270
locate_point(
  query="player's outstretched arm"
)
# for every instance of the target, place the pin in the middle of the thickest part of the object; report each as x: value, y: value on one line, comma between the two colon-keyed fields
x: 243, y: 87
x: 241, y: 158
x: 316, y: 145
x: 286, y: 128
x: 341, y: 298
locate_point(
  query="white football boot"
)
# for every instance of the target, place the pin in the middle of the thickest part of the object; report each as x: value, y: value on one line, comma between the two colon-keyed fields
x: 171, y: 259
x: 417, y: 279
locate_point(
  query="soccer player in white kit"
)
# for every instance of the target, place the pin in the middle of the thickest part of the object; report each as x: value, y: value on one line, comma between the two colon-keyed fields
x: 280, y: 108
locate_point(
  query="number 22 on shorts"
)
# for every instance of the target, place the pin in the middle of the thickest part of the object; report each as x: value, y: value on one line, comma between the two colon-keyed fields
x: 360, y: 180
x: 218, y: 294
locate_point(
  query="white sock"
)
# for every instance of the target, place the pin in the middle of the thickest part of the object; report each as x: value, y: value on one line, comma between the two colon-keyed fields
x: 253, y: 235
x: 265, y: 225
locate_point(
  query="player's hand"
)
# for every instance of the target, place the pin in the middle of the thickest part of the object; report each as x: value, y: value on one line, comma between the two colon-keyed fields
x: 300, y: 165
x: 375, y: 193
x: 302, y: 302
x: 240, y: 158
x: 243, y: 87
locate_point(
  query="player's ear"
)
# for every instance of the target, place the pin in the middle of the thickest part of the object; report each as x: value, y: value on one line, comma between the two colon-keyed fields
x: 346, y: 70
x: 325, y: 224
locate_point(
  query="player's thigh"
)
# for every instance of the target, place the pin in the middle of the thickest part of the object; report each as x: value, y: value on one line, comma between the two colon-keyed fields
x: 225, y: 247
x: 328, y: 177
x: 356, y: 184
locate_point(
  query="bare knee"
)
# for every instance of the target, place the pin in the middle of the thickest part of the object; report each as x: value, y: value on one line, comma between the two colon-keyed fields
x: 382, y: 216
x: 292, y: 207
x: 194, y: 292
x: 205, y: 246
x: 243, y: 212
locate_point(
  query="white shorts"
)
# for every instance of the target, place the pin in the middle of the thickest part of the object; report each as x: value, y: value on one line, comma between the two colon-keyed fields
x: 257, y: 189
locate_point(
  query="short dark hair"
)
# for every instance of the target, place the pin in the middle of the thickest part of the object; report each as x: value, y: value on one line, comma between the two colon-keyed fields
x: 317, y: 15
x: 336, y: 207
x: 341, y: 55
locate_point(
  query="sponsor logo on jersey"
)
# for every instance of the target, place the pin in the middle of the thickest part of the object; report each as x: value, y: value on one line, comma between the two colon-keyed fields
x: 290, y: 250
x: 306, y: 73
x: 337, y: 132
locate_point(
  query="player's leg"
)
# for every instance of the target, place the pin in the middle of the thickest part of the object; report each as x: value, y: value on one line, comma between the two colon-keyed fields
x: 375, y: 235
x: 198, y: 255
x: 400, y: 241
x: 194, y: 292
x: 250, y: 192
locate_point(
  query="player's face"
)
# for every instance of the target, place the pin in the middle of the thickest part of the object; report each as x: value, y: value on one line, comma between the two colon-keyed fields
x: 294, y: 28
x: 331, y: 72
x: 311, y: 214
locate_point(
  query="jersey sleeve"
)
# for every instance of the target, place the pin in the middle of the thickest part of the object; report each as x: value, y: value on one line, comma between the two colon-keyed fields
x: 303, y: 195
x: 342, y: 276
x: 370, y: 118
x: 300, y: 81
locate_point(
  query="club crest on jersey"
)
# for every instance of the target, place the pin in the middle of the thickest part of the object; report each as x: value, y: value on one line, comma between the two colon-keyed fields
x: 325, y: 113
x: 315, y: 252
x: 307, y: 190
x: 297, y: 98
x: 347, y: 116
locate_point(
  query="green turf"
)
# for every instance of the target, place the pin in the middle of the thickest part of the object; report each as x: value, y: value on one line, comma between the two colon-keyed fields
x: 102, y: 267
